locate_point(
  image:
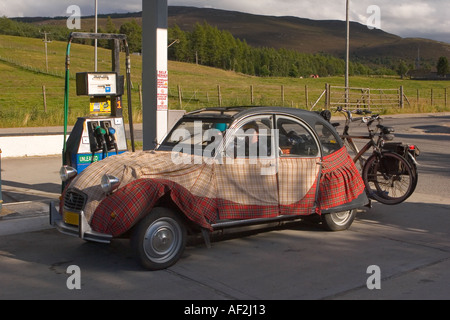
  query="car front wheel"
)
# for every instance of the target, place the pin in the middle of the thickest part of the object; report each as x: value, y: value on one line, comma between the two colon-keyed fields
x: 338, y: 221
x: 158, y: 240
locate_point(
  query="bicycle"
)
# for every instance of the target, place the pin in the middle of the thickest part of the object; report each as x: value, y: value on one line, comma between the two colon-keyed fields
x: 389, y: 177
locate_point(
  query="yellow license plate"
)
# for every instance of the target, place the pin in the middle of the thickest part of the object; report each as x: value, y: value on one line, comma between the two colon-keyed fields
x: 71, y: 218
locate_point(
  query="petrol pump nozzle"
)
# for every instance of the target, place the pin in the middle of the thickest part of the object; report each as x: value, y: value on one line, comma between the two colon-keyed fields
x: 112, y: 131
x: 100, y: 133
x: 112, y: 137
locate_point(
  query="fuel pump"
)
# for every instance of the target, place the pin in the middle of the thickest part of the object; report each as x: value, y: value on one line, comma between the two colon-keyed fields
x: 102, y: 133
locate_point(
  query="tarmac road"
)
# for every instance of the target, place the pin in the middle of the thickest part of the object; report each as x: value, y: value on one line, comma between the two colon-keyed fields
x: 410, y: 243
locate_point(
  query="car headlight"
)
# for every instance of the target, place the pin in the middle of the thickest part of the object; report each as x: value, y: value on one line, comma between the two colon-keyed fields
x: 109, y: 183
x: 67, y: 173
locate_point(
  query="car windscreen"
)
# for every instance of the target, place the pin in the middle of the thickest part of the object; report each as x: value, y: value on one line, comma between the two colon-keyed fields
x: 192, y: 135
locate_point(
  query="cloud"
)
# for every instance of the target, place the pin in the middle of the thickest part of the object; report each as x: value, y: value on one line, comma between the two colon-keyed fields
x: 417, y: 19
x: 52, y: 8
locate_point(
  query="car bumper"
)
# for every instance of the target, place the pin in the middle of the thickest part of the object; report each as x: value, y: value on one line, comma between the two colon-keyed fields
x: 83, y: 230
x: 360, y: 202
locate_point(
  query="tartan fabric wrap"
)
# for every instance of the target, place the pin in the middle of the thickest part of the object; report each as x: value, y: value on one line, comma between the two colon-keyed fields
x: 117, y: 214
x: 340, y: 181
x: 266, y: 189
x: 208, y: 191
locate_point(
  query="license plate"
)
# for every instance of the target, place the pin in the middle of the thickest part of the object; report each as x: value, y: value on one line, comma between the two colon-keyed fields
x: 71, y: 218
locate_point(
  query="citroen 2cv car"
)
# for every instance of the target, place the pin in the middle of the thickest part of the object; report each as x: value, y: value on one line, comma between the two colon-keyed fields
x: 217, y: 168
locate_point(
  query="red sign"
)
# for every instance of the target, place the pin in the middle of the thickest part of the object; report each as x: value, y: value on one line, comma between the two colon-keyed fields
x: 163, y: 90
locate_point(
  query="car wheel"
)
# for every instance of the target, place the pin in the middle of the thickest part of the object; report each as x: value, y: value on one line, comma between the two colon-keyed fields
x: 338, y: 221
x: 158, y: 240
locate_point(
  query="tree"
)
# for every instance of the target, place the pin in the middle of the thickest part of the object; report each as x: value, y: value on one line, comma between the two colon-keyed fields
x: 198, y: 42
x: 179, y: 50
x: 133, y: 31
x: 293, y: 71
x: 402, y: 69
x: 443, y: 67
x: 110, y: 26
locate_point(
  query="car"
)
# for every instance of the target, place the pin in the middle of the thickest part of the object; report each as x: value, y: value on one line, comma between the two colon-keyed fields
x: 218, y: 168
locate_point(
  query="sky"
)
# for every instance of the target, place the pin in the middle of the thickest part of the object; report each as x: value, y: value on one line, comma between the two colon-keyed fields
x: 406, y: 18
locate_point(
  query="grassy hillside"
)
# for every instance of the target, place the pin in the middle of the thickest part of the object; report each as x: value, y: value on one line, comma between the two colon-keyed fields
x: 22, y: 65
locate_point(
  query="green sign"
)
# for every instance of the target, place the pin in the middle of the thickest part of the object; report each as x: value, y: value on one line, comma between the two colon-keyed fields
x: 87, y: 158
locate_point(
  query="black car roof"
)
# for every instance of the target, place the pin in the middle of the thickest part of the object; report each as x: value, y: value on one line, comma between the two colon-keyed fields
x: 232, y: 113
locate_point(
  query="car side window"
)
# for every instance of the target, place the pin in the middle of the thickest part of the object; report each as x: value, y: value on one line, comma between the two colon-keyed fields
x: 253, y: 139
x: 295, y: 139
x: 327, y: 139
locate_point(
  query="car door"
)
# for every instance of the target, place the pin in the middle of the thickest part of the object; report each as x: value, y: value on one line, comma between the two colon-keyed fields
x: 246, y: 176
x: 299, y: 155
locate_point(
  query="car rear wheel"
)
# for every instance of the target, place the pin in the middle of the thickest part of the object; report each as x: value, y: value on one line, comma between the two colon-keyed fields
x: 158, y: 240
x: 338, y: 221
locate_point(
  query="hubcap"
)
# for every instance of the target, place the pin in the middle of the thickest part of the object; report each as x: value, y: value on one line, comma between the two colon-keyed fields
x: 341, y: 218
x: 162, y: 240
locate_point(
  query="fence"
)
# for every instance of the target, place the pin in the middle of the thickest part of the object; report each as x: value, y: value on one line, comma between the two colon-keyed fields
x: 332, y: 96
x: 220, y: 95
x: 364, y: 98
x: 44, y: 102
x: 434, y: 97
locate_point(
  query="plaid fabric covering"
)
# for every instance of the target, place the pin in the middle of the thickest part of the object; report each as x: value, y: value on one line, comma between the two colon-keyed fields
x: 129, y: 167
x: 247, y: 183
x: 245, y: 193
x: 297, y: 176
x: 119, y: 212
x: 302, y: 207
x: 206, y: 192
x: 340, y: 182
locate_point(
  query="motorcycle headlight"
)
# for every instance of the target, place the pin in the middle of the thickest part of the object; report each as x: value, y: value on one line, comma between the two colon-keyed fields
x: 67, y: 173
x: 109, y: 183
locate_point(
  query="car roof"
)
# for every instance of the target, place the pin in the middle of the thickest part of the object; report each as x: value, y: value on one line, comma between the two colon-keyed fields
x: 233, y: 113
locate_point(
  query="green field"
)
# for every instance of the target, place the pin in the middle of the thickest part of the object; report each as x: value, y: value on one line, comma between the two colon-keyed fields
x: 23, y: 70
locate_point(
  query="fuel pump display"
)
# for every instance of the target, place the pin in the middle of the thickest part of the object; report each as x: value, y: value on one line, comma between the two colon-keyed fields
x: 102, y: 133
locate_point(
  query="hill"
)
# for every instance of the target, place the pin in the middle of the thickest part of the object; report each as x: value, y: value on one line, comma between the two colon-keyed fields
x: 304, y: 35
x: 22, y: 64
x: 314, y: 36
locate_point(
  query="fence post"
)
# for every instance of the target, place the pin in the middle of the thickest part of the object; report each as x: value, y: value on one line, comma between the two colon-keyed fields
x: 327, y: 95
x: 219, y: 95
x: 252, y: 98
x: 401, y: 98
x: 432, y: 100
x: 282, y: 95
x: 180, y: 97
x: 140, y: 95
x: 45, y: 98
x: 306, y: 95
x: 445, y: 97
